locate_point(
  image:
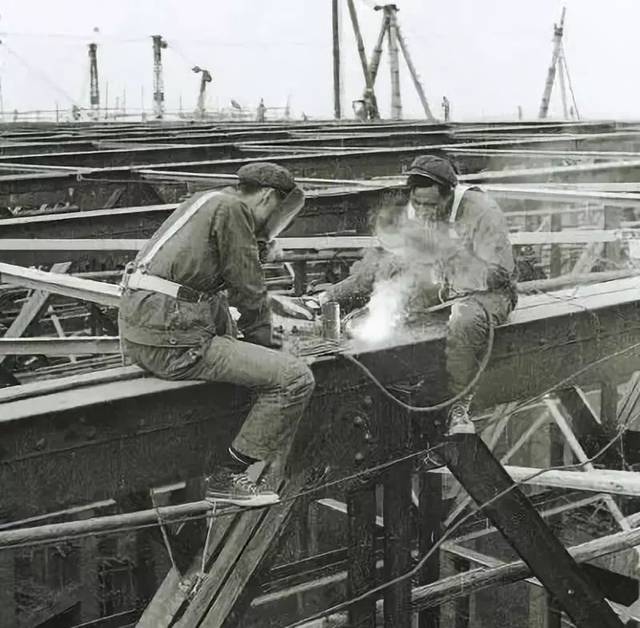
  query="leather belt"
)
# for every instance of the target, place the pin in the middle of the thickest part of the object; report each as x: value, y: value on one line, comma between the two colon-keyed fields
x: 137, y: 280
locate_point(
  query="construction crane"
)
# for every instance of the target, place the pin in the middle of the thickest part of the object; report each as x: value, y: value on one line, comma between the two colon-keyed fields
x: 396, y: 43
x: 205, y: 77
x: 94, y: 87
x: 158, y: 82
x: 558, y: 66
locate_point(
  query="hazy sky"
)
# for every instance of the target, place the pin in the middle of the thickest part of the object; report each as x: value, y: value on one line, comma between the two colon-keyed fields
x: 487, y: 56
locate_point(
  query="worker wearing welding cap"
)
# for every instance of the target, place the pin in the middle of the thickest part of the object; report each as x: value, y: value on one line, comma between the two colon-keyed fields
x: 461, y: 235
x: 175, y: 320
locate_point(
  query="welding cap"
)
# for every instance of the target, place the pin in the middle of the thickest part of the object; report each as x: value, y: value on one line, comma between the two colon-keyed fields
x: 269, y: 175
x: 434, y: 168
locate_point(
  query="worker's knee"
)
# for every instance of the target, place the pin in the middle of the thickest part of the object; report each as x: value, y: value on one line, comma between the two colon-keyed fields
x: 467, y: 316
x: 299, y: 380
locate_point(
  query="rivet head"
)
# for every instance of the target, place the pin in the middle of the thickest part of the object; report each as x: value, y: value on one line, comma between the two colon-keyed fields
x: 358, y: 421
x: 368, y: 437
x: 367, y: 400
x: 359, y: 458
x: 571, y: 592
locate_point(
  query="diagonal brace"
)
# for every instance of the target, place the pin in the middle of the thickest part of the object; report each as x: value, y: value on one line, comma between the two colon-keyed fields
x: 484, y: 478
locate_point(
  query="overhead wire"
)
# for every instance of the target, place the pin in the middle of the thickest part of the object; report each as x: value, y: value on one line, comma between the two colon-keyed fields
x: 388, y: 464
x: 42, y: 75
x: 226, y: 512
x: 420, y: 564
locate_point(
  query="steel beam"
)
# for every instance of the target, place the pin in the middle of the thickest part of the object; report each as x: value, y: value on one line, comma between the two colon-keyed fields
x: 510, y: 511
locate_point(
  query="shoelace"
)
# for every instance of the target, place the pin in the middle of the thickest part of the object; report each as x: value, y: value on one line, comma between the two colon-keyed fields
x: 458, y: 412
x: 243, y: 481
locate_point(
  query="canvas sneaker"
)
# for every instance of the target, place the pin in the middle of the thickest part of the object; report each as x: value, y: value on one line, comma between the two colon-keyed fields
x: 230, y: 487
x: 459, y: 420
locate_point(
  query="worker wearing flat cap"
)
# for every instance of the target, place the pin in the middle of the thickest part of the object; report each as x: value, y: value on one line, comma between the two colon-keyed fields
x: 452, y: 241
x: 175, y: 320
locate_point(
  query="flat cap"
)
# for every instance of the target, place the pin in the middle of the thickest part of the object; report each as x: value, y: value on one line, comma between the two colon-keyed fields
x: 435, y: 168
x: 266, y: 174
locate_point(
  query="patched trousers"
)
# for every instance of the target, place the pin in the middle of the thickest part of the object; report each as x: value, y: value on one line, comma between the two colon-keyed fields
x: 468, y: 334
x: 281, y: 382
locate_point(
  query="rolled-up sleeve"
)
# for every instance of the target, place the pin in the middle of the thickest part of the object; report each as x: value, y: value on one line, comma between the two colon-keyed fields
x: 233, y: 232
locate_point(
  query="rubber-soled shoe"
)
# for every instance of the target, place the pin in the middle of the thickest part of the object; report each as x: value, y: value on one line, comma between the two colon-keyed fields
x: 459, y: 420
x: 230, y: 487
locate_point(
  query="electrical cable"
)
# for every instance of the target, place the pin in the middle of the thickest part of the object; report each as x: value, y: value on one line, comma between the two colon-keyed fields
x: 227, y: 511
x: 420, y: 564
x: 444, y: 404
x: 566, y: 71
x: 41, y: 74
x: 234, y: 511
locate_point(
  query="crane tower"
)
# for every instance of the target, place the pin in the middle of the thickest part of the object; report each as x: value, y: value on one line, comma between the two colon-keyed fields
x: 158, y: 82
x: 94, y: 92
x: 204, y: 79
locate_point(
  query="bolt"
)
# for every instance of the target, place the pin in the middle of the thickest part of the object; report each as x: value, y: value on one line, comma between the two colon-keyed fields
x: 368, y: 437
x: 40, y: 444
x: 571, y: 592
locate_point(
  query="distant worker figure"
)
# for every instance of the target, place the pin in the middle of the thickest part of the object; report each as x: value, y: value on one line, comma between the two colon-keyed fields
x: 175, y: 320
x: 371, y: 104
x: 446, y: 108
x: 262, y: 110
x: 463, y: 235
x: 359, y: 110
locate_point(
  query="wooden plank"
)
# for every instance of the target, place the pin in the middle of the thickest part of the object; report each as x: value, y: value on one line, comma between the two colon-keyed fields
x: 70, y: 345
x: 315, y: 243
x: 596, y: 480
x: 32, y: 308
x: 238, y: 563
x: 75, y: 287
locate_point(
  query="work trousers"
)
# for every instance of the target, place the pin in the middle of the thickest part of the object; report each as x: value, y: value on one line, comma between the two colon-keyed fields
x: 281, y: 382
x: 468, y: 334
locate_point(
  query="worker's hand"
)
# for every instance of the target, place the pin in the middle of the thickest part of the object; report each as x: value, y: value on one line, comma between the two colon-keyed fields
x: 269, y: 251
x: 265, y: 335
x: 291, y: 307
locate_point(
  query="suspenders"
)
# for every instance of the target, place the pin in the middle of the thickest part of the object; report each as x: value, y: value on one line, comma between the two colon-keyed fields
x: 173, y: 229
x: 458, y: 193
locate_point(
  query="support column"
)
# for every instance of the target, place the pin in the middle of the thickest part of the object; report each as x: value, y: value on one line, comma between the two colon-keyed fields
x: 335, y: 23
x: 431, y: 513
x: 397, y: 545
x: 361, y: 555
x: 8, y: 609
x: 612, y: 221
x: 396, y: 98
x: 555, y: 260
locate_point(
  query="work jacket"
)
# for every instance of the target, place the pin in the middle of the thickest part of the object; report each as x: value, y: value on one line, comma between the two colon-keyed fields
x: 215, y: 253
x: 477, y: 257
